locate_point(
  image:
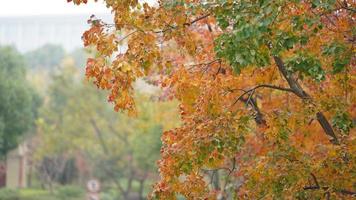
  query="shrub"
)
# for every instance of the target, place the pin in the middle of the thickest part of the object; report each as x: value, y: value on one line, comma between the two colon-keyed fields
x: 36, y: 194
x: 68, y: 192
x: 9, y: 194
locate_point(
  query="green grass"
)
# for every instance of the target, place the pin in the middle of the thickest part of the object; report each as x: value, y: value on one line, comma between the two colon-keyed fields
x: 38, y: 194
x: 33, y: 192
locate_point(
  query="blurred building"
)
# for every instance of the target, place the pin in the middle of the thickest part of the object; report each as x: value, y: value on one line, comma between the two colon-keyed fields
x: 30, y: 32
x: 17, y: 167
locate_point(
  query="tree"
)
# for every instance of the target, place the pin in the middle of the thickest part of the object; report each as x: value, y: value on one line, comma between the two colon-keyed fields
x: 118, y: 150
x: 45, y: 57
x: 80, y: 56
x: 19, y: 102
x: 266, y: 91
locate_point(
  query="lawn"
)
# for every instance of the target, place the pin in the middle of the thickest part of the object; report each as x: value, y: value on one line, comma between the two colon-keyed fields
x: 63, y: 193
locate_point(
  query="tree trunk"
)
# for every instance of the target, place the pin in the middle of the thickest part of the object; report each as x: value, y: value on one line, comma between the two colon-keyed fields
x: 30, y: 171
x: 141, y: 189
x: 216, y: 180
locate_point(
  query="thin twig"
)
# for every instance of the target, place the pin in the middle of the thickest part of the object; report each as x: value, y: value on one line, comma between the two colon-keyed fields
x: 262, y: 86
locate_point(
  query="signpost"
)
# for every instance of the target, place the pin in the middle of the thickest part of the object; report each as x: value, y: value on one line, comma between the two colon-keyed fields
x: 93, y: 187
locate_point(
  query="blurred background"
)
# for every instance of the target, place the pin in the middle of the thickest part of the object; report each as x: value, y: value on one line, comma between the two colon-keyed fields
x: 59, y: 137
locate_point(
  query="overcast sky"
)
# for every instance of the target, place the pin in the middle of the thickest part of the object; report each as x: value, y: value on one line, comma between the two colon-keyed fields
x: 47, y: 7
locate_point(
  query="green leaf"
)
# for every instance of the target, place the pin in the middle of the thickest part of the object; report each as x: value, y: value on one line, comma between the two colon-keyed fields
x: 343, y: 122
x: 307, y: 65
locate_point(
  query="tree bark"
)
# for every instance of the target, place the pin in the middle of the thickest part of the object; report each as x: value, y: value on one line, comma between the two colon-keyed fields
x: 259, y: 119
x: 298, y: 90
x: 216, y: 180
x: 141, y: 189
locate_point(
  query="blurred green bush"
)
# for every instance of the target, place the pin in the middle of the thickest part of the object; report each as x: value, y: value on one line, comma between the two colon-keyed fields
x: 9, y: 194
x: 70, y: 192
x: 62, y: 193
x: 36, y: 194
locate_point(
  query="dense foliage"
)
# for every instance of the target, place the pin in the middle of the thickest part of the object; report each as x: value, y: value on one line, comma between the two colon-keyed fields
x: 266, y: 90
x: 19, y: 102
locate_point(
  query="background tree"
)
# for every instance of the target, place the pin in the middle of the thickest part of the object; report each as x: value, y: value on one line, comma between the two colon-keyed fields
x: 117, y: 149
x: 19, y: 102
x: 45, y: 57
x: 266, y: 91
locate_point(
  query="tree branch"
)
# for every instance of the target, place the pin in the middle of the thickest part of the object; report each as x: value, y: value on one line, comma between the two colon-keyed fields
x: 347, y: 192
x: 315, y: 180
x: 293, y: 84
x: 197, y: 19
x: 326, y: 188
x: 227, y: 178
x: 123, y: 138
x: 185, y: 24
x: 298, y: 90
x: 262, y: 86
x: 341, y: 191
x: 203, y: 64
x: 251, y: 101
x: 259, y: 119
x: 128, y: 35
x: 100, y: 136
